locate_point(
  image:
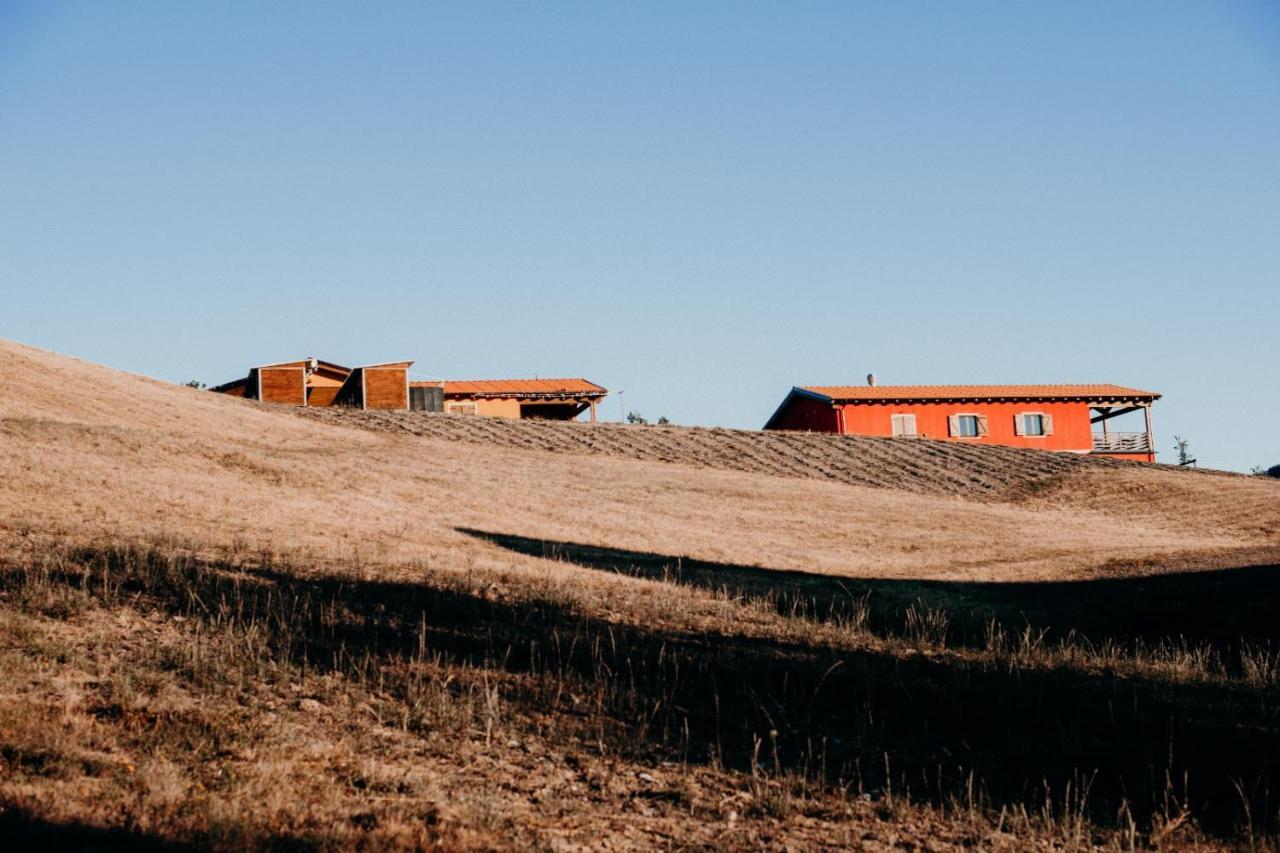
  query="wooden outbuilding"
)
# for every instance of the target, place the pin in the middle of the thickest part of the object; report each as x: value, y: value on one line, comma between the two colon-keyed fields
x: 312, y: 382
x: 377, y: 386
x: 1070, y: 418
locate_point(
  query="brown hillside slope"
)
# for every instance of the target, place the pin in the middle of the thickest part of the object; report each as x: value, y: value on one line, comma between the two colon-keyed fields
x: 502, y: 635
x: 92, y: 454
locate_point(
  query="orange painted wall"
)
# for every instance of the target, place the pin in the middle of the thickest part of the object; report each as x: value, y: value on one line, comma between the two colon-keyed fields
x: 1071, y: 428
x: 488, y: 407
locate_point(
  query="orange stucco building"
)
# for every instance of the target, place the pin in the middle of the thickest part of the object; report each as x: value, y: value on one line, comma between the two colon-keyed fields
x: 545, y: 399
x: 1068, y: 418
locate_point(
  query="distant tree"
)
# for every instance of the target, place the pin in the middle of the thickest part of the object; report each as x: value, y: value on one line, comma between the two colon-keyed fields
x: 196, y: 384
x: 1259, y: 471
x: 1183, y: 446
x: 641, y: 420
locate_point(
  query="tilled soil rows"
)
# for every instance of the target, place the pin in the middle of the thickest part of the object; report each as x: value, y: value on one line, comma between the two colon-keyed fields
x: 919, y: 465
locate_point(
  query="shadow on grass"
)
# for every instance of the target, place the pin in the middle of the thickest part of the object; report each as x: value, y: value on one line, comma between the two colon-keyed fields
x: 923, y: 726
x: 1219, y: 607
x: 23, y: 831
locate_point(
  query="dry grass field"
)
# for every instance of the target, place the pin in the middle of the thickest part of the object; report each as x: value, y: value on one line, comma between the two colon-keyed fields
x: 228, y: 624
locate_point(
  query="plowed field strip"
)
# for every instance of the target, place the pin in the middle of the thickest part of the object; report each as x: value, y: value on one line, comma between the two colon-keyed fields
x: 921, y: 466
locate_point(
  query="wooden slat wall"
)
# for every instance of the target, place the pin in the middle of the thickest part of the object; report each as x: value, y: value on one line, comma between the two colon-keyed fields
x: 283, y: 385
x: 386, y: 388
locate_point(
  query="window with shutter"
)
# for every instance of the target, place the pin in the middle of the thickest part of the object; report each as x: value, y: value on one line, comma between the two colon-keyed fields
x: 1032, y: 424
x: 967, y: 426
x: 904, y: 426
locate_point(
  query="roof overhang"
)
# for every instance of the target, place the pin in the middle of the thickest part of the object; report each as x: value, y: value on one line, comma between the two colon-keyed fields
x: 304, y: 362
x: 796, y: 391
x: 525, y: 395
x: 227, y: 386
x: 996, y: 398
x: 1095, y: 394
x: 388, y: 365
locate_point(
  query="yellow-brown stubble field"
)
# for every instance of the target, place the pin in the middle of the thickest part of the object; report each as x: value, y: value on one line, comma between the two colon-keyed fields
x: 229, y: 623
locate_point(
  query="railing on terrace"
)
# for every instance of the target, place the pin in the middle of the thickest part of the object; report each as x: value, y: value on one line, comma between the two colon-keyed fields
x: 1121, y: 442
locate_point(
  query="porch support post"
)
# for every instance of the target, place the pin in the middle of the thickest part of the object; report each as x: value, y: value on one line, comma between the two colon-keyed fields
x: 1146, y: 414
x: 593, y: 411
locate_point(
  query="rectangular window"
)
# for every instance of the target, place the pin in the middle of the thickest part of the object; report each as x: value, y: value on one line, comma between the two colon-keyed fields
x: 461, y: 408
x: 904, y: 426
x: 967, y: 426
x: 1033, y: 424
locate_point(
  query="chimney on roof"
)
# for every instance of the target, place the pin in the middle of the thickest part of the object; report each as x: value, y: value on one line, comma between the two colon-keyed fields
x: 871, y: 379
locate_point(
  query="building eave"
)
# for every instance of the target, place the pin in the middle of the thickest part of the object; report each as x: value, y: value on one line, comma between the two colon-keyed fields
x: 796, y: 391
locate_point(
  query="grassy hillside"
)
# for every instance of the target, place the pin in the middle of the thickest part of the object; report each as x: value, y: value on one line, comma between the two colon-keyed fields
x: 226, y: 622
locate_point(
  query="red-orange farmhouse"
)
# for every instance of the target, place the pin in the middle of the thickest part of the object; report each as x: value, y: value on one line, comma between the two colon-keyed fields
x: 1068, y: 418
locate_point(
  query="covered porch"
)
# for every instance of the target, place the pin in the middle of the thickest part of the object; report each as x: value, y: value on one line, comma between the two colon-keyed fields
x: 534, y: 399
x: 1138, y: 444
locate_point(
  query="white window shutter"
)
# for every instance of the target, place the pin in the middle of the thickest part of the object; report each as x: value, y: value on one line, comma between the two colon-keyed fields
x: 982, y: 424
x: 953, y: 424
x: 908, y: 424
x: 1020, y: 424
x: 1047, y: 420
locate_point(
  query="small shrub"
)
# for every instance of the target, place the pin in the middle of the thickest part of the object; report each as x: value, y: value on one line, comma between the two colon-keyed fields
x: 1183, y: 446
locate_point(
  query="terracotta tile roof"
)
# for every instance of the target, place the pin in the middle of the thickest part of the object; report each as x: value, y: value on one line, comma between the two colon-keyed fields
x: 520, y: 388
x: 854, y: 393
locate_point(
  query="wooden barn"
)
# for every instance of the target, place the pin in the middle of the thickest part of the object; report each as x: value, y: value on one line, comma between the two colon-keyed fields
x: 1069, y: 418
x: 547, y: 399
x: 312, y: 382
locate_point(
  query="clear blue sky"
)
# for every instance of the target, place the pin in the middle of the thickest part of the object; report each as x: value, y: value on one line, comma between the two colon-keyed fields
x: 701, y: 204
